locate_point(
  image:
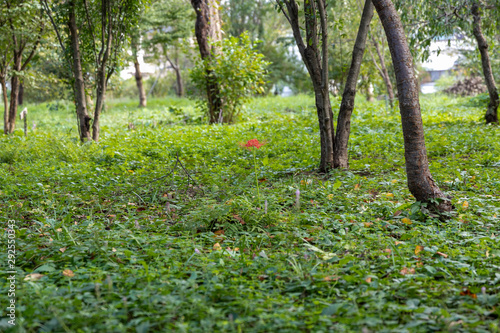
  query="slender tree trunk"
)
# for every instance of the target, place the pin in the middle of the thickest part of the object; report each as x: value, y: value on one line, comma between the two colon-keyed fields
x: 207, y: 26
x: 492, y: 112
x: 341, y: 156
x: 5, y: 105
x: 14, y: 93
x: 420, y: 182
x: 384, y: 72
x: 179, y: 88
x: 79, y: 85
x: 140, y: 86
x: 21, y: 94
x: 99, y: 101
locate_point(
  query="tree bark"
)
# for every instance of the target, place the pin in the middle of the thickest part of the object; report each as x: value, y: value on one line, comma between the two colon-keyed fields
x: 3, y: 83
x: 14, y: 92
x: 21, y: 94
x: 79, y: 85
x: 341, y: 156
x: 492, y: 112
x: 420, y: 182
x: 205, y: 27
x: 140, y: 86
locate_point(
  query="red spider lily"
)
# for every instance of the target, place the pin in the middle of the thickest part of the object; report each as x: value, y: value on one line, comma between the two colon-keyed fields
x: 252, y: 143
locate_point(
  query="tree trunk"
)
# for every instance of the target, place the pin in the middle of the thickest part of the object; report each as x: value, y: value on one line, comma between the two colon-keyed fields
x: 179, y: 87
x: 5, y: 105
x: 492, y: 112
x: 206, y: 26
x: 384, y: 72
x: 14, y: 93
x: 21, y: 94
x: 79, y: 85
x: 341, y: 156
x: 140, y: 86
x: 420, y: 182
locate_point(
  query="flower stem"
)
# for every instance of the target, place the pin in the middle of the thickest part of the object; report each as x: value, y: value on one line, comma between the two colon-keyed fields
x: 256, y: 177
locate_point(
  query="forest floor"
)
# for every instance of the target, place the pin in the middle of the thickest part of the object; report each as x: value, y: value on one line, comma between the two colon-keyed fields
x: 161, y: 226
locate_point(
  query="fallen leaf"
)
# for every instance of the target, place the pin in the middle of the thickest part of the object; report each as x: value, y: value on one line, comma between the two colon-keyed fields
x: 418, y: 249
x: 239, y: 219
x: 331, y: 278
x: 406, y: 220
x: 219, y: 232
x: 68, y: 273
x: 309, y: 239
x: 262, y: 277
x: 368, y: 280
x: 33, y: 277
x: 406, y: 271
x: 217, y: 246
x: 368, y: 224
x: 394, y: 181
x: 59, y: 229
x: 113, y: 250
x: 465, y: 205
x: 398, y: 242
x: 387, y: 251
x: 357, y: 186
x: 466, y: 292
x: 389, y: 195
x: 330, y: 196
x: 62, y: 249
x: 397, y: 213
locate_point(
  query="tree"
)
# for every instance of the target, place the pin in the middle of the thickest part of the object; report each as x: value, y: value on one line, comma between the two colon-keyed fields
x: 23, y: 23
x: 444, y: 17
x: 207, y: 28
x: 138, y: 75
x: 166, y: 25
x: 420, y: 182
x: 314, y: 53
x: 341, y: 156
x: 482, y: 44
x: 97, y: 34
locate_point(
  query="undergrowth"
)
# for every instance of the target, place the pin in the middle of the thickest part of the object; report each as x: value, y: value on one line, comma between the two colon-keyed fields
x: 159, y: 227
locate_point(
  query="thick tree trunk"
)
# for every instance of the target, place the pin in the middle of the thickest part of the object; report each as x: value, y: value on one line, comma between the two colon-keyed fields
x: 492, y: 112
x: 5, y: 105
x: 341, y: 156
x: 79, y: 85
x: 14, y: 93
x: 420, y: 182
x: 207, y: 26
x: 140, y: 86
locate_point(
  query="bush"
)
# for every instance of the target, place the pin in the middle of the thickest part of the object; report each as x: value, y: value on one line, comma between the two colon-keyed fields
x: 238, y: 70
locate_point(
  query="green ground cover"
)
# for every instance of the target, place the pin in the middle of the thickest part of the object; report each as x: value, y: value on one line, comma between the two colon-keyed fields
x: 160, y: 226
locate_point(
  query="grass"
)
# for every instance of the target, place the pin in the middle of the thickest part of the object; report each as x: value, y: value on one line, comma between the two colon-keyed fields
x: 161, y: 228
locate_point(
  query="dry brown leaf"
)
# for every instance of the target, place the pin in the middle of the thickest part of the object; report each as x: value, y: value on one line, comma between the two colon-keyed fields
x: 217, y: 247
x: 33, y: 277
x: 407, y: 271
x: 68, y: 273
x: 387, y: 250
x: 239, y: 219
x: 418, y: 249
x: 62, y: 249
x: 331, y: 278
x: 368, y: 280
x: 368, y: 224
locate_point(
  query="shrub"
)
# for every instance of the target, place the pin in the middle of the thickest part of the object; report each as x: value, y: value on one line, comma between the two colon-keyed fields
x: 239, y: 71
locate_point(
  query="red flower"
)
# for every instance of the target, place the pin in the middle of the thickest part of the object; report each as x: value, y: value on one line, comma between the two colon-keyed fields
x: 252, y: 143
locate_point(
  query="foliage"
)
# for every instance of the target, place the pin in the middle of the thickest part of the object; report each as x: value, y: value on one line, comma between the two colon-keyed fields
x: 238, y: 70
x: 149, y: 249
